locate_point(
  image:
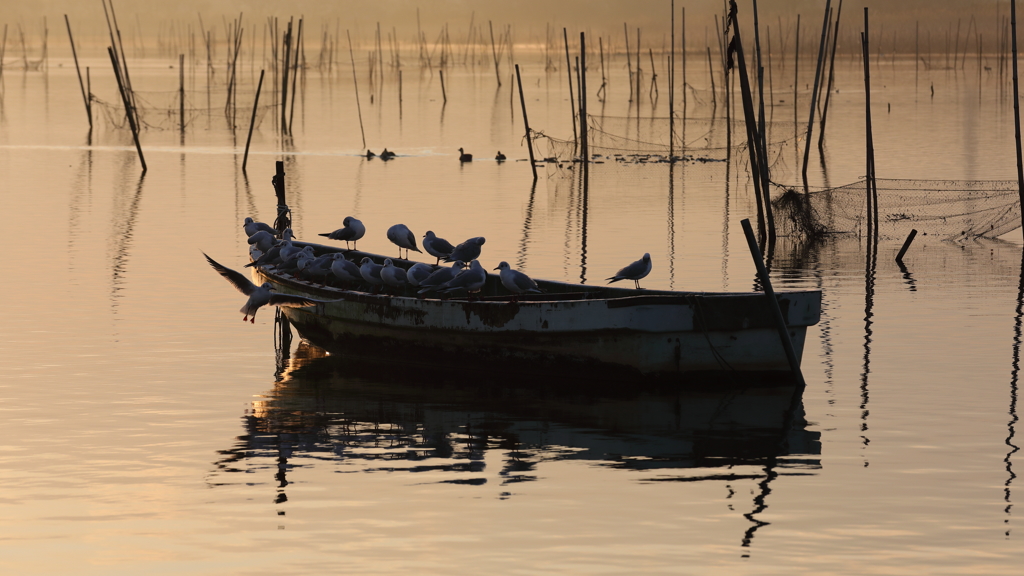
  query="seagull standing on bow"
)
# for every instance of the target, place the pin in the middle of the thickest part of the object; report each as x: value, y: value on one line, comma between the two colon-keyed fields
x: 401, y: 236
x: 635, y: 271
x: 259, y: 296
x: 352, y: 232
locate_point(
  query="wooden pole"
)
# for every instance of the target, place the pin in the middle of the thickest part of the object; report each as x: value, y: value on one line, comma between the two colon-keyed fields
x: 814, y: 91
x: 671, y: 86
x: 1016, y: 106
x: 285, y: 64
x: 526, y: 124
x: 494, y: 53
x: 583, y: 100
x: 831, y: 78
x: 181, y: 90
x: 749, y: 119
x: 79, y: 71
x: 355, y: 83
x: 572, y: 98
x: 252, y: 121
x: 295, y: 77
x: 127, y: 106
x: 443, y: 93
x: 906, y: 246
x: 773, y: 303
x: 282, y: 221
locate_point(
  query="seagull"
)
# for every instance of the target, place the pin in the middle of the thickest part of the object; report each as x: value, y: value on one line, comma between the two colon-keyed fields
x: 392, y: 275
x: 515, y: 281
x: 401, y: 236
x: 289, y: 251
x: 251, y: 227
x: 467, y: 251
x: 370, y: 272
x: 440, y: 276
x: 352, y: 232
x: 263, y: 240
x: 500, y: 157
x: 635, y: 271
x: 268, y: 257
x: 255, y: 253
x: 436, y: 246
x: 418, y: 273
x: 471, y: 280
x: 463, y: 157
x: 345, y: 270
x: 259, y: 296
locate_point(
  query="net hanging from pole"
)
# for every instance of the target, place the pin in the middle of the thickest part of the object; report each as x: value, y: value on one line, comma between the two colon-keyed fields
x: 951, y: 209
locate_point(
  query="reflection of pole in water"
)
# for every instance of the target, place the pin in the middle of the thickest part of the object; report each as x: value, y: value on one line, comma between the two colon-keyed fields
x: 585, y: 185
x: 671, y: 225
x: 123, y: 229
x: 1014, y: 375
x: 521, y: 262
x: 760, y: 504
x: 869, y: 304
x: 282, y: 344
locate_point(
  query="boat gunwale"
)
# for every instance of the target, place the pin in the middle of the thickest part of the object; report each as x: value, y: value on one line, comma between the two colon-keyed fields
x: 587, y: 293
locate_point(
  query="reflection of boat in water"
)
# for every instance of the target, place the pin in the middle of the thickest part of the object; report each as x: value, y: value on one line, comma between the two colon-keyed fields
x: 324, y: 405
x: 607, y: 333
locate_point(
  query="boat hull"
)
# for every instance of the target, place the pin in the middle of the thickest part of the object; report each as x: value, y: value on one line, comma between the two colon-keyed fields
x: 644, y: 335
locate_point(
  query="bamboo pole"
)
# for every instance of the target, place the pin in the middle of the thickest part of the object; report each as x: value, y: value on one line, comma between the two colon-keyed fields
x: 671, y: 86
x: 127, y: 106
x: 252, y: 121
x: 814, y: 91
x: 572, y: 98
x: 629, y: 60
x: 831, y: 78
x: 295, y: 77
x: 181, y: 91
x: 286, y: 62
x: 444, y: 94
x: 85, y: 98
x: 583, y: 101
x: 494, y: 53
x: 773, y: 304
x: 355, y: 83
x: 1016, y: 105
x: 749, y: 120
x: 526, y: 124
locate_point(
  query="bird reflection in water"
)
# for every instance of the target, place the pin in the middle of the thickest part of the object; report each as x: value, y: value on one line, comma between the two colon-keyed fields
x: 333, y: 408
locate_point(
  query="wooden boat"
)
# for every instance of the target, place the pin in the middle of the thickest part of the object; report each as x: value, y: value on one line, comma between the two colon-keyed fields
x: 571, y: 330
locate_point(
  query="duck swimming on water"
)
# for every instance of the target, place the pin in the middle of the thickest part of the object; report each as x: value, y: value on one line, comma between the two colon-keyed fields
x: 500, y: 157
x: 387, y: 154
x: 370, y: 154
x: 463, y: 157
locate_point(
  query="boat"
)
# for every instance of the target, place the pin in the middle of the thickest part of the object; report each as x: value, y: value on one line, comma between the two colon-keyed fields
x: 595, y: 333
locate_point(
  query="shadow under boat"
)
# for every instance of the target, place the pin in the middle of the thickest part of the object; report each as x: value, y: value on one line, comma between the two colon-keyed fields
x: 394, y: 416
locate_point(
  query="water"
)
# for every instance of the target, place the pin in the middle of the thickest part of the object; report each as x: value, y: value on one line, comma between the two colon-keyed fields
x: 147, y: 430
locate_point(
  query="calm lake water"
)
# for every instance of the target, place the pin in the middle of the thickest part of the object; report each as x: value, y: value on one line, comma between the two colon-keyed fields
x: 147, y: 430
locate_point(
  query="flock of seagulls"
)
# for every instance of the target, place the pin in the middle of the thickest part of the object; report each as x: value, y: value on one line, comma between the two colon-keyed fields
x: 466, y: 273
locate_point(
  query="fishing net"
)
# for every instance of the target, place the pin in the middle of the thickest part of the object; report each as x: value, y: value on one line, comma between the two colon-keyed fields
x: 952, y: 209
x: 632, y: 140
x: 163, y: 111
